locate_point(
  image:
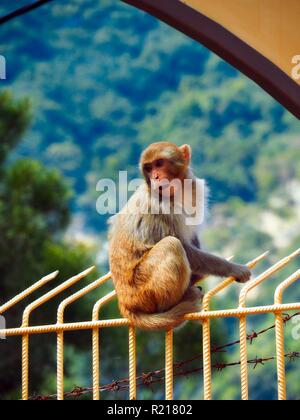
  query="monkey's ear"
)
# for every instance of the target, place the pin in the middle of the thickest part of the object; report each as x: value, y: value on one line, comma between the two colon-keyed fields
x: 187, y: 152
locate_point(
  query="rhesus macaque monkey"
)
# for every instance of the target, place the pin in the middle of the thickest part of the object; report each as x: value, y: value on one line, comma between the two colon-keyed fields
x: 155, y: 257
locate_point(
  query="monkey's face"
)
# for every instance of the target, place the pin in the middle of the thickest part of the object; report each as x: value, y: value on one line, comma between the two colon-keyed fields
x: 164, y: 167
x: 159, y: 175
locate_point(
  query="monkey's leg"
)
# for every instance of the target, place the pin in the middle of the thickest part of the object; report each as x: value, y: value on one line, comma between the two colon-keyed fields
x: 163, y: 276
x: 203, y: 263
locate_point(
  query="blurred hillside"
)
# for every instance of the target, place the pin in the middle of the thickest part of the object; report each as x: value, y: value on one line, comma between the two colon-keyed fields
x: 101, y: 75
x: 104, y: 80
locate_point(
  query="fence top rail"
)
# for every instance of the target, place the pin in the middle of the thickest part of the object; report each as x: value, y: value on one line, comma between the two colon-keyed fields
x: 110, y: 323
x: 101, y: 302
x: 21, y: 296
x: 76, y: 296
x: 227, y: 282
x: 95, y: 323
x: 50, y: 295
x: 264, y: 276
x: 284, y: 286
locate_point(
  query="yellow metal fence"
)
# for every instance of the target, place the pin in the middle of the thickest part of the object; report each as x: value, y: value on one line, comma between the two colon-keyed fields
x: 205, y: 316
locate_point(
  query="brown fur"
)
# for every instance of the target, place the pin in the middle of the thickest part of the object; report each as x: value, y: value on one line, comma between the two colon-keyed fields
x: 153, y: 257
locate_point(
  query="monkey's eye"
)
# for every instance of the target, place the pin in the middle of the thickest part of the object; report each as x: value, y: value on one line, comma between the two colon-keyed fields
x: 160, y: 163
x: 148, y: 167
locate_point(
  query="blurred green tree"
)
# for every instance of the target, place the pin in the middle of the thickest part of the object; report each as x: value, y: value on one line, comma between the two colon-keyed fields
x: 34, y: 213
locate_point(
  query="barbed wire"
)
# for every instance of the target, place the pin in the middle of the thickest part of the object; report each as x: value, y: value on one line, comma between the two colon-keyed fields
x: 156, y: 376
x: 148, y: 379
x: 23, y: 10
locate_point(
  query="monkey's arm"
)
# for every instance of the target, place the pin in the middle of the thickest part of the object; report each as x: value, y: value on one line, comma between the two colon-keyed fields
x: 202, y: 263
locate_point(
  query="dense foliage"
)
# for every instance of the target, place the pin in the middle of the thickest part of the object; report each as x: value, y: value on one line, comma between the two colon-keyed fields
x: 103, y: 81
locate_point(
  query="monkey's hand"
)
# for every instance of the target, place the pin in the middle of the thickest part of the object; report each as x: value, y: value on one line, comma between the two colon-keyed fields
x: 241, y: 273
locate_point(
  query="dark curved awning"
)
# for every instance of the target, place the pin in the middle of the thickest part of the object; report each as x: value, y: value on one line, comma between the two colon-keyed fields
x: 258, y: 37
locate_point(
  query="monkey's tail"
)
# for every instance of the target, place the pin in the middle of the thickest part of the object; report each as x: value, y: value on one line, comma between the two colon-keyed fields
x: 172, y: 318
